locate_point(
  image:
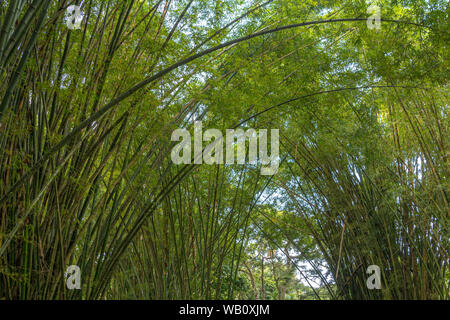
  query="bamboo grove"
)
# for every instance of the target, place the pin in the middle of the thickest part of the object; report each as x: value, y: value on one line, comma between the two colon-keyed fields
x: 86, y: 117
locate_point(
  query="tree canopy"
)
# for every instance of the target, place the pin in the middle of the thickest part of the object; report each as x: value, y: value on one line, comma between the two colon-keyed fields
x: 88, y: 104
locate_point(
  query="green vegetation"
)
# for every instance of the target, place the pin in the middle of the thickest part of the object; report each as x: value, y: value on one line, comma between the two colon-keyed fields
x: 86, y: 117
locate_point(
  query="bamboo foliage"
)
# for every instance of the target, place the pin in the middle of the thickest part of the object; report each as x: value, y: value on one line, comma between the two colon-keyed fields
x: 86, y: 176
x: 396, y: 218
x: 81, y: 204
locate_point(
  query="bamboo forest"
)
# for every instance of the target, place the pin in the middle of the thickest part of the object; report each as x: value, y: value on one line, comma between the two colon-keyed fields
x: 224, y: 150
